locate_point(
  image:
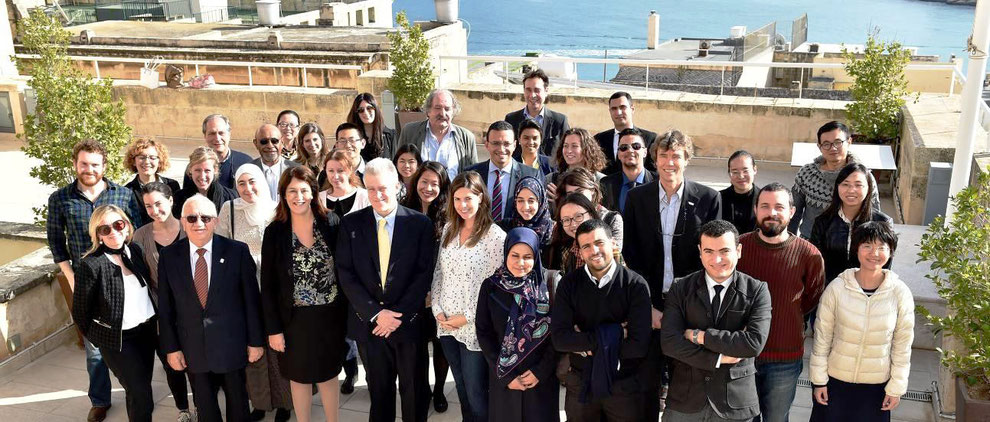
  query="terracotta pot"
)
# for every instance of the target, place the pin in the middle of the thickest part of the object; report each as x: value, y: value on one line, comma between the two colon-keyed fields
x: 969, y: 409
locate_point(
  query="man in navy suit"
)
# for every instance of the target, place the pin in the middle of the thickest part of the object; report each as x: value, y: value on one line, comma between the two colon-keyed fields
x: 536, y: 88
x: 621, y: 110
x: 209, y: 309
x: 387, y: 293
x: 502, y: 172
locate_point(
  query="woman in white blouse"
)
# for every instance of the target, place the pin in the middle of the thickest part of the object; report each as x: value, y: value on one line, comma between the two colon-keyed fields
x: 345, y: 192
x: 470, y: 250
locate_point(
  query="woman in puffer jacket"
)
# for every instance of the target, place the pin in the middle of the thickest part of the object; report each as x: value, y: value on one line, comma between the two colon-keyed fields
x: 862, y: 351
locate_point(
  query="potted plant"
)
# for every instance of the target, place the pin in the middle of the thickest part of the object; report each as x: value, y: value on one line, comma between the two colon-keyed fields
x: 412, y: 78
x: 879, y: 89
x: 959, y: 252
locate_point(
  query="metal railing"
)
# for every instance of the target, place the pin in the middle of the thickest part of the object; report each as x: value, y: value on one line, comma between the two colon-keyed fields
x: 721, y: 66
x: 304, y: 67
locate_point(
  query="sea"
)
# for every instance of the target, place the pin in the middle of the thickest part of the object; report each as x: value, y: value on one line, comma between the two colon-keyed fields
x: 582, y: 28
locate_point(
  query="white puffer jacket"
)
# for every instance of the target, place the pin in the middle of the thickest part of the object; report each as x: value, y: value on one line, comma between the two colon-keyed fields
x: 864, y: 339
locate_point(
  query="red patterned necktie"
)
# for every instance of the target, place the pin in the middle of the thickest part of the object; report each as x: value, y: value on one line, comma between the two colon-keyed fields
x: 201, y: 277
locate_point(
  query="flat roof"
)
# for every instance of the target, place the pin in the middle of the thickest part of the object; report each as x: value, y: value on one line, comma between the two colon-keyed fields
x: 684, y: 49
x: 232, y: 32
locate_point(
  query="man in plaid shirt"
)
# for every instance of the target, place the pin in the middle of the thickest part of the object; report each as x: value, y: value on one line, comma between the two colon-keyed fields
x: 69, y: 211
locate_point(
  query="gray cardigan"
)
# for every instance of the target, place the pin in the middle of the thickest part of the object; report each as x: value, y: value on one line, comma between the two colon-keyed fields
x: 145, y: 238
x: 464, y: 142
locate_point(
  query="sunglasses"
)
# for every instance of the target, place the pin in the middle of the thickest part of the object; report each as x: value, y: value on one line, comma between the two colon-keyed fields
x: 105, y: 229
x: 192, y: 219
x: 266, y: 141
x: 626, y: 147
x: 367, y: 109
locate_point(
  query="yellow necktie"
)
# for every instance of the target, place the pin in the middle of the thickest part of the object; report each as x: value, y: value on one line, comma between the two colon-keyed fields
x: 384, y: 249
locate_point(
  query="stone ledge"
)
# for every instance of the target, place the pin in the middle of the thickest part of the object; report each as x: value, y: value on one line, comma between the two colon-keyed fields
x: 25, y: 273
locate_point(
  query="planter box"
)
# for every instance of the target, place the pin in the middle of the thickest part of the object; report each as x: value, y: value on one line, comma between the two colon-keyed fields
x: 969, y: 409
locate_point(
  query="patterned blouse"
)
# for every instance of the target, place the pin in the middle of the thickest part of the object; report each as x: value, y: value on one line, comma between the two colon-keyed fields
x: 457, y: 280
x: 312, y: 270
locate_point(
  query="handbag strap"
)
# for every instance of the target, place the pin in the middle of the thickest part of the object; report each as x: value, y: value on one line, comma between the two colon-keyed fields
x: 232, y: 219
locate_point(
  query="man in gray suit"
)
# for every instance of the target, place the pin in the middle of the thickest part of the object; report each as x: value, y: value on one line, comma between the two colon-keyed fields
x: 267, y: 139
x: 438, y: 138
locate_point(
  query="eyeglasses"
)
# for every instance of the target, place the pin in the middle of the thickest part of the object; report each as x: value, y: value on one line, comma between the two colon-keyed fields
x: 285, y: 125
x: 118, y: 226
x: 192, y: 219
x: 740, y: 173
x: 832, y: 145
x: 577, y: 219
x: 148, y: 158
x: 266, y: 141
x: 367, y: 109
x: 348, y: 141
x: 626, y: 147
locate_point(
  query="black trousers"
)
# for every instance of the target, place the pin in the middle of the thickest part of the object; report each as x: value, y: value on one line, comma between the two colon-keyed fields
x: 133, y: 365
x: 205, y: 386
x: 384, y: 360
x: 652, y: 376
x: 176, y: 381
x: 619, y: 407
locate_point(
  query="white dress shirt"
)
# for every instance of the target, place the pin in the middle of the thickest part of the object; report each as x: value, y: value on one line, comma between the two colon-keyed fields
x: 272, y: 174
x: 606, y: 278
x: 721, y: 300
x: 208, y: 256
x: 670, y: 209
x: 137, y: 303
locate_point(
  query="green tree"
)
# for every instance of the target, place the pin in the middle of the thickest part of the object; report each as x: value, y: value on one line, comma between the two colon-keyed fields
x: 879, y: 89
x: 960, y: 255
x: 412, y: 79
x: 71, y: 106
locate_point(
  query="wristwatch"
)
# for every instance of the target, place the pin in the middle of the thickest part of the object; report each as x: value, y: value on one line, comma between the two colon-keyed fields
x: 694, y: 336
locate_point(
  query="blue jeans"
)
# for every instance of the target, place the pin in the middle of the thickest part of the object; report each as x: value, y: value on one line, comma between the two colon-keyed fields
x: 99, y: 376
x: 471, y: 378
x: 776, y: 383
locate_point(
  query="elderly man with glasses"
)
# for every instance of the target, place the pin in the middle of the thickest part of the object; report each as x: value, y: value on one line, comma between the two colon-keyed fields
x: 814, y: 181
x: 271, y: 160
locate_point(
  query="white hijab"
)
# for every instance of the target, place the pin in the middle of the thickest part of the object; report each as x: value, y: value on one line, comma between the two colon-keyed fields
x: 261, y: 212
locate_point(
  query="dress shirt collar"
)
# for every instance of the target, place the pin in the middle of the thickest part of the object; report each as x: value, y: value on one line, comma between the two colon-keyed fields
x: 679, y: 194
x: 710, y: 282
x: 360, y: 167
x: 274, y: 167
x: 389, y: 219
x: 602, y: 282
x: 539, y: 116
x: 430, y: 135
x: 641, y: 177
x: 506, y: 169
x: 192, y: 249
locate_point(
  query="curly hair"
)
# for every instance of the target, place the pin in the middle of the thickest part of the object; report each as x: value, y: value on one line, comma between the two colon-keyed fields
x: 593, y: 157
x: 140, y: 144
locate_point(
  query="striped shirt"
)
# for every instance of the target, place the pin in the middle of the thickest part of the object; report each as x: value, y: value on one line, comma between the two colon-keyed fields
x: 68, y: 218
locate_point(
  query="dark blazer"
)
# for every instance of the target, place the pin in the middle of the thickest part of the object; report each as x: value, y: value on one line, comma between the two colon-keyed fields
x: 288, y: 164
x: 518, y: 172
x: 135, y: 186
x: 831, y: 236
x: 388, y: 145
x: 217, y: 193
x: 554, y: 126
x: 214, y: 339
x: 277, y: 280
x: 740, y: 331
x: 643, y: 242
x: 410, y: 271
x: 546, y: 165
x: 98, y: 297
x: 607, y: 137
x: 227, y: 169
x: 465, y: 144
x: 612, y: 187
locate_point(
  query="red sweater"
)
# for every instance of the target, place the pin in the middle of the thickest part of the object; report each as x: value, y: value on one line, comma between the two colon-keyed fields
x: 795, y: 274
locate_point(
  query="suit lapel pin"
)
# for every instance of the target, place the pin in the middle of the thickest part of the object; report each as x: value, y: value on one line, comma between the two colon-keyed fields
x: 221, y: 260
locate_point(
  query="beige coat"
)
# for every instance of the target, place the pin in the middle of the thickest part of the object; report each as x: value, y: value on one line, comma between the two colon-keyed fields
x: 864, y: 339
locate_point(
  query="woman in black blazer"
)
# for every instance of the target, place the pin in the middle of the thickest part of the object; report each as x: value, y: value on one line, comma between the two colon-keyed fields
x: 115, y: 309
x: 304, y: 308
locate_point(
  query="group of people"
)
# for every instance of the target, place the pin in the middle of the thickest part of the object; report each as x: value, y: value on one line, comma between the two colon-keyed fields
x: 566, y: 259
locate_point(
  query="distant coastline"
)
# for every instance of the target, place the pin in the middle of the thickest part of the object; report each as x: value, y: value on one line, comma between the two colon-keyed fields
x: 963, y: 2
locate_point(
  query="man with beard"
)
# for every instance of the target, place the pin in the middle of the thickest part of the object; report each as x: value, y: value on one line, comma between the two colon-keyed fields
x: 69, y: 211
x: 794, y: 272
x: 271, y: 160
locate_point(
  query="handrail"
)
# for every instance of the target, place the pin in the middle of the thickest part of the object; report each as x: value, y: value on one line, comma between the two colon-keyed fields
x: 204, y: 62
x: 660, y: 62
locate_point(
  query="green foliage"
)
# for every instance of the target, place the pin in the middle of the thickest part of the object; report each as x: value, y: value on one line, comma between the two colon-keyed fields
x: 879, y: 88
x: 71, y: 106
x: 412, y: 79
x: 960, y: 256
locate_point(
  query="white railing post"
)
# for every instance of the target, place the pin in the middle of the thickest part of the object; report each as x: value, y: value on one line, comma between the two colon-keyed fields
x: 952, y: 83
x: 801, y: 84
x: 305, y: 78
x: 250, y: 77
x: 96, y: 66
x: 721, y: 85
x: 647, y: 77
x: 197, y: 69
x: 505, y: 73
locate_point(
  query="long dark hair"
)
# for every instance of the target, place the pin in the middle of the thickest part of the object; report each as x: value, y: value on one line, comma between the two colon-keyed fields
x: 407, y: 149
x: 576, y: 198
x: 302, y: 156
x: 473, y: 182
x: 866, y: 209
x: 437, y: 210
x: 303, y: 173
x: 375, y: 141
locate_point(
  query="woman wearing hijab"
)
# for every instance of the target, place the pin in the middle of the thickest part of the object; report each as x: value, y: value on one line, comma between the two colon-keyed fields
x: 513, y: 326
x: 532, y: 210
x: 244, y: 219
x: 113, y: 307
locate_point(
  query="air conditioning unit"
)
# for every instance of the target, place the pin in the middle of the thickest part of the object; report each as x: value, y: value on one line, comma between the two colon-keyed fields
x: 703, y: 47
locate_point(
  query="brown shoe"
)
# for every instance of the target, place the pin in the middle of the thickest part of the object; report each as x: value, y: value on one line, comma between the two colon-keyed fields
x: 97, y: 414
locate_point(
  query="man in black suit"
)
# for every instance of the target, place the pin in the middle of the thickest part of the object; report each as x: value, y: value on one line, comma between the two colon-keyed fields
x: 210, y: 311
x: 620, y: 109
x: 716, y: 323
x: 662, y: 237
x: 387, y: 289
x: 632, y: 153
x: 501, y: 172
x: 536, y: 87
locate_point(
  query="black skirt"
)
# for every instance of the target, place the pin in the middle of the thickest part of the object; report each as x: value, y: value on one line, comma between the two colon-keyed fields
x: 314, y: 343
x: 851, y: 402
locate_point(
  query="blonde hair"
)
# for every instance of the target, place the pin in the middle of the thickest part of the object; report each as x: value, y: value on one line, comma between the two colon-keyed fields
x: 348, y: 163
x: 201, y: 155
x: 140, y: 144
x: 94, y: 221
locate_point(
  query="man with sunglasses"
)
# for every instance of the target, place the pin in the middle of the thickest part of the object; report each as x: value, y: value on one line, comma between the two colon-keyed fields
x: 268, y: 141
x: 69, y: 211
x: 814, y: 181
x: 620, y: 110
x: 632, y: 172
x: 210, y: 311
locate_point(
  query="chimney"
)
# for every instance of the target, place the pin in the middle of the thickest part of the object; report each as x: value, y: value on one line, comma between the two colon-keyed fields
x: 653, y: 30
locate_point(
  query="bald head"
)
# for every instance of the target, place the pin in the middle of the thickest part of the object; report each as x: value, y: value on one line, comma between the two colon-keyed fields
x: 267, y: 139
